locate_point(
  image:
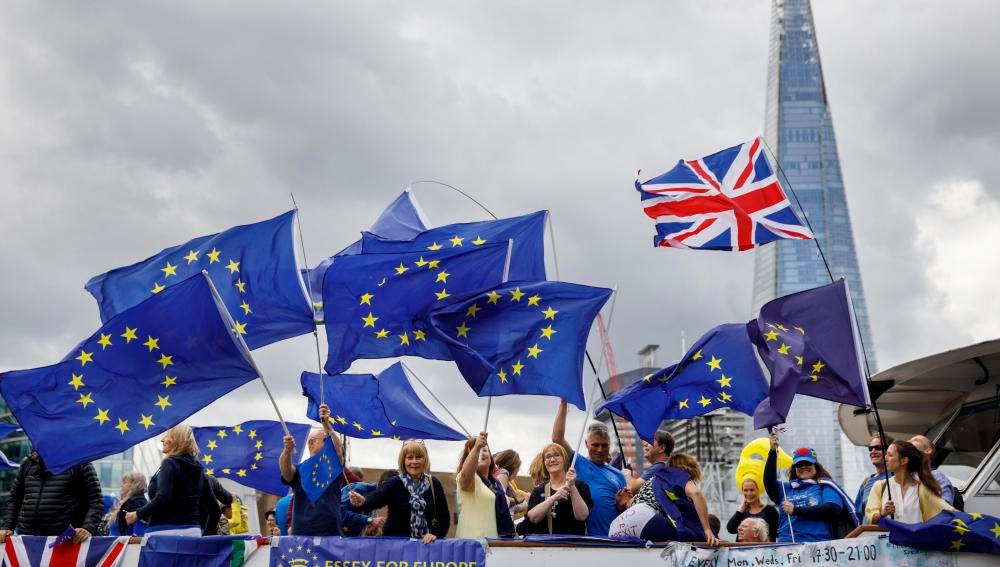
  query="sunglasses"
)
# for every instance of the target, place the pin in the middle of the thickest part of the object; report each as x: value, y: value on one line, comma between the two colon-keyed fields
x: 876, y: 448
x: 802, y: 465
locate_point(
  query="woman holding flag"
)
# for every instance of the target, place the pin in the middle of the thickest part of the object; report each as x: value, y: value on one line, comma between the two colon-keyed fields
x: 813, y: 507
x: 916, y: 494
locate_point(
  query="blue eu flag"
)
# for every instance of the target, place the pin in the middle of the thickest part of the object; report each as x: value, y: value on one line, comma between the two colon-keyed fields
x: 719, y: 371
x: 401, y: 220
x: 808, y: 341
x: 368, y: 407
x: 247, y: 453
x: 253, y: 268
x: 146, y: 370
x: 527, y: 259
x: 321, y: 470
x: 522, y: 338
x: 375, y: 305
x: 948, y: 531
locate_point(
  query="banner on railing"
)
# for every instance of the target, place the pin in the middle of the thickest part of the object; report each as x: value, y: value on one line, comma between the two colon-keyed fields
x: 298, y: 551
x: 874, y: 551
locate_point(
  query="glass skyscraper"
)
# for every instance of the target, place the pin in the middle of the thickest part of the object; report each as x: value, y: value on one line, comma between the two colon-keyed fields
x: 799, y: 130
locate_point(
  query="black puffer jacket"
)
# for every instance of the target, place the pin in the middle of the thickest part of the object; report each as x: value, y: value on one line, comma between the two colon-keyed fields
x: 42, y: 503
x: 176, y: 492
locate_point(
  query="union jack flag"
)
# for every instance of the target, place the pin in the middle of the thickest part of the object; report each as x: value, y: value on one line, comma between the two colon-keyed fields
x: 730, y: 200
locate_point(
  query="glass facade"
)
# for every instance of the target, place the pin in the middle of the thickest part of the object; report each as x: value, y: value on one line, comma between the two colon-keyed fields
x: 799, y: 130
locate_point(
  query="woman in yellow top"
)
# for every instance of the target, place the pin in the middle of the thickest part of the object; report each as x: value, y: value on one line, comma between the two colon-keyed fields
x: 916, y: 495
x: 482, y: 504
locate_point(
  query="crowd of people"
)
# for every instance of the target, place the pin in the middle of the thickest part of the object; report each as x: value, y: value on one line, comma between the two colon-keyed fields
x: 585, y: 494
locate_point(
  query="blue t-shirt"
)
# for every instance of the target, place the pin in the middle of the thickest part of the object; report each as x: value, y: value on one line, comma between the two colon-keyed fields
x: 604, y: 482
x: 653, y: 468
x: 806, y: 529
x: 319, y: 518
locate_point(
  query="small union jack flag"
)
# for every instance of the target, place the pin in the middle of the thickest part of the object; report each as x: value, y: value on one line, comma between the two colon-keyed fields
x: 730, y: 200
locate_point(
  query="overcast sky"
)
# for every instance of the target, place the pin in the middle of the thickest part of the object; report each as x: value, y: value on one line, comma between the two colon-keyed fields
x: 129, y: 127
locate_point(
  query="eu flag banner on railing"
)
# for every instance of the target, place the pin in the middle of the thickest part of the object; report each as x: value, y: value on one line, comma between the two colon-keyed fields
x: 522, y: 337
x: 375, y: 305
x: 247, y: 453
x: 719, y: 371
x: 403, y: 219
x: 527, y: 261
x: 301, y: 551
x: 369, y: 407
x: 146, y: 370
x: 948, y: 531
x: 730, y: 200
x: 43, y: 551
x: 809, y: 342
x: 253, y: 268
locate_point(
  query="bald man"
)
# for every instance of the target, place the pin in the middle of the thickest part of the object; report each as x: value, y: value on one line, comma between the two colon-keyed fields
x: 924, y: 445
x: 320, y: 518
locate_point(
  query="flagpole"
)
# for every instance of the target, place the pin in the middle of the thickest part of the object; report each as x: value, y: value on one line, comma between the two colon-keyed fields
x: 440, y: 403
x: 506, y: 276
x: 586, y: 417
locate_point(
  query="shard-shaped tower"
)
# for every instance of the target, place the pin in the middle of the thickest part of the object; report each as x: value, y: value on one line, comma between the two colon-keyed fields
x: 799, y: 129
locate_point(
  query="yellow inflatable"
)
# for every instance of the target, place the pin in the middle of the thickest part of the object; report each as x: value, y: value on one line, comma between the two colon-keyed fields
x: 752, y: 459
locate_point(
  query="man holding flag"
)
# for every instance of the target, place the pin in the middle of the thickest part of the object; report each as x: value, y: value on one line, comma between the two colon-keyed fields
x: 310, y: 515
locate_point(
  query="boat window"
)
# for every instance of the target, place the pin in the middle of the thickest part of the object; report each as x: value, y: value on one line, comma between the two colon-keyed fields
x: 967, y: 440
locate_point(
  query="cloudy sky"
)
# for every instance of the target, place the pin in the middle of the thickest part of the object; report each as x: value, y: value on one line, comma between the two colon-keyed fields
x: 129, y: 127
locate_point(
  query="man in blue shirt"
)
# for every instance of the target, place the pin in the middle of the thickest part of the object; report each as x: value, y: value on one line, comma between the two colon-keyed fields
x: 603, y: 480
x: 656, y: 454
x: 876, y: 453
x: 322, y: 517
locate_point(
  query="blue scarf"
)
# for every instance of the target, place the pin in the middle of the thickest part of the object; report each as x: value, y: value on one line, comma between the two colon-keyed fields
x: 418, y: 506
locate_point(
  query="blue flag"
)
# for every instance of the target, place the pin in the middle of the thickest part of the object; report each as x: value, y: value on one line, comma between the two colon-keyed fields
x: 144, y: 371
x: 522, y: 338
x: 809, y: 342
x: 253, y: 268
x: 527, y: 260
x: 186, y: 551
x: 303, y: 551
x: 367, y: 406
x: 401, y: 220
x: 247, y: 453
x: 719, y: 371
x: 948, y: 531
x: 321, y: 470
x: 375, y: 305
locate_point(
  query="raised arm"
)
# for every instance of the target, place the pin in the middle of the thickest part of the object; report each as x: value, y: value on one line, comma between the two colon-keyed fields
x: 771, y: 472
x: 285, y: 459
x: 694, y: 493
x: 559, y: 427
x: 467, y: 474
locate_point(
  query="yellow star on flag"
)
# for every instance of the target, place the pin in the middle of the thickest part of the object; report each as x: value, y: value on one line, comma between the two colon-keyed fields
x: 169, y: 381
x: 85, y: 399
x: 462, y: 330
x: 799, y: 360
x: 517, y: 294
x: 533, y: 300
x: 241, y: 473
x: 233, y: 267
x: 358, y: 426
x: 783, y: 349
x: 547, y: 332
x: 129, y: 335
x: 800, y: 329
x: 696, y: 355
x: 213, y: 256
x: 814, y: 378
x: 704, y: 401
x: 77, y: 382
x: 102, y: 416
x: 146, y: 421
x: 502, y: 375
x: 433, y: 264
x: 493, y: 297
x: 456, y: 241
x: 166, y: 360
x: 157, y: 288
x: 782, y: 328
x: 404, y: 339
x: 472, y: 310
x: 770, y: 336
x: 434, y: 246
x: 212, y: 444
x: 479, y: 241
x: 241, y: 285
x: 381, y: 334
x: 252, y: 434
x: 369, y: 320
x: 169, y: 270
x: 122, y: 426
x: 421, y: 262
x: 957, y: 544
x: 516, y: 367
x: 550, y: 313
x: 714, y: 363
x: 105, y: 341
x: 725, y: 396
x: 207, y: 459
x: 366, y: 298
x: 818, y: 366
x: 192, y: 256
x: 725, y: 381
x: 534, y: 351
x: 996, y: 530
x: 419, y: 335
x: 210, y: 472
x: 960, y: 530
x: 221, y: 434
x: 258, y: 456
x: 151, y: 343
x: 237, y: 429
x: 443, y: 294
x: 163, y: 402
x: 258, y: 444
x: 401, y: 269
x: 245, y: 307
x: 683, y: 404
x: 442, y: 277
x: 376, y: 433
x: 226, y: 471
x: 85, y: 357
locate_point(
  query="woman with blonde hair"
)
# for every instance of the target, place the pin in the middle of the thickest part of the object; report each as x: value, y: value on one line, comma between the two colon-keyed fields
x: 560, y: 504
x: 482, y: 504
x: 916, y: 494
x: 131, y: 498
x: 417, y: 505
x: 177, y: 490
x: 686, y: 463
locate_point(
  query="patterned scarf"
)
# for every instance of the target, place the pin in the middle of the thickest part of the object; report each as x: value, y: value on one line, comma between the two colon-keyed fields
x: 418, y: 521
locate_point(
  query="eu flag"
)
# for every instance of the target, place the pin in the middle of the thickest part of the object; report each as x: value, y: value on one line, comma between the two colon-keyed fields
x: 522, y: 338
x: 368, y: 406
x: 401, y: 220
x: 948, y: 531
x: 321, y: 470
x: 144, y: 371
x: 253, y: 268
x: 719, y: 371
x: 527, y: 260
x: 247, y: 453
x: 808, y: 341
x: 375, y: 305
